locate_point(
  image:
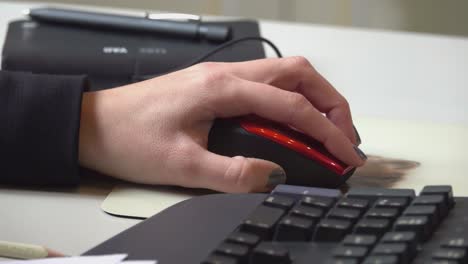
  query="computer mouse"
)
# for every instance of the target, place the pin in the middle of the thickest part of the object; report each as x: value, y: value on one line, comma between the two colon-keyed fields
x: 304, y: 159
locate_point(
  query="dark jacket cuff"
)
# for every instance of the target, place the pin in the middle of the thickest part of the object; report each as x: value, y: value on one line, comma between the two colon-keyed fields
x: 39, y: 121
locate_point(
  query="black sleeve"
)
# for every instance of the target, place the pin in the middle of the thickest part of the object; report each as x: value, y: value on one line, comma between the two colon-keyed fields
x: 39, y: 127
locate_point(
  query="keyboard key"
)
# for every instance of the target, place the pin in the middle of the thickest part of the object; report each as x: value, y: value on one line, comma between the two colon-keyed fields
x: 262, y: 221
x: 219, y: 259
x: 395, y: 203
x: 399, y: 237
x: 332, y: 230
x: 292, y: 228
x: 455, y: 243
x: 345, y: 214
x: 424, y: 210
x: 383, y: 213
x: 360, y: 240
x: 436, y: 200
x: 444, y: 262
x: 444, y: 190
x: 357, y: 204
x: 400, y: 250
x: 342, y: 261
x: 417, y: 224
x: 246, y: 239
x: 376, y: 227
x: 307, y: 212
x: 270, y: 253
x: 239, y: 252
x: 353, y: 252
x: 381, y: 260
x: 279, y: 201
x: 298, y: 192
x: 408, y: 238
x: 458, y: 255
x: 324, y: 203
x: 372, y: 194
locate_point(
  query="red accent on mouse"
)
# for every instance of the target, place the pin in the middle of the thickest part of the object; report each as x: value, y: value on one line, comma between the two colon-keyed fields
x: 305, y: 160
x: 293, y: 140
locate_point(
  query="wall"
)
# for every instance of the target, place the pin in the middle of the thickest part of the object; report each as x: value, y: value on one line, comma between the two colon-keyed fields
x: 434, y: 16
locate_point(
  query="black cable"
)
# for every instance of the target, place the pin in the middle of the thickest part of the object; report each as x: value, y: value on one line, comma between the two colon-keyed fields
x: 214, y: 51
x: 232, y: 42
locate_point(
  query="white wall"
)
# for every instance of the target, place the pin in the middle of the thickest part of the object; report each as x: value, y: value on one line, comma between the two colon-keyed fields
x: 436, y: 16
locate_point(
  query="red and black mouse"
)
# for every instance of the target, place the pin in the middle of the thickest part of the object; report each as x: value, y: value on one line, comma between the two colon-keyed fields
x: 304, y: 159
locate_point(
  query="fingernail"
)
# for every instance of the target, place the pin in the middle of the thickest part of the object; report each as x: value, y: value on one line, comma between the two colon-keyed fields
x: 277, y: 176
x: 360, y: 153
x: 358, y: 138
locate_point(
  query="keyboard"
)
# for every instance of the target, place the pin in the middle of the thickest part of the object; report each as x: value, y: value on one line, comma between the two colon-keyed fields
x: 295, y: 224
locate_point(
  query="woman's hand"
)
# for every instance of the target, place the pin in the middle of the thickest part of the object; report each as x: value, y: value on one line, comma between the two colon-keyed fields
x: 156, y: 131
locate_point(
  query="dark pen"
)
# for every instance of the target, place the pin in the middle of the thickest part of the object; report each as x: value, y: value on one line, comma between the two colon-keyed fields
x: 189, y: 29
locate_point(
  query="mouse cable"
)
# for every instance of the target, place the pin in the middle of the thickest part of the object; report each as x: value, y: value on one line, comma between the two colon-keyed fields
x: 212, y: 52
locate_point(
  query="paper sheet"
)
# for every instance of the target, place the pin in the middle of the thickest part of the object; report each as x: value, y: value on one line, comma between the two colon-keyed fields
x: 402, y: 154
x: 105, y: 259
x: 405, y: 154
x: 141, y: 201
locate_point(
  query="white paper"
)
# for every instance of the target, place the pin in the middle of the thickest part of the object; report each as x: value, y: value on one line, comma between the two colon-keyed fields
x: 104, y: 259
x: 140, y: 262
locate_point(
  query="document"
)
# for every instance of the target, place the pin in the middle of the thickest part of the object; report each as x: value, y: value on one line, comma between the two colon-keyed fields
x: 402, y: 154
x: 104, y: 259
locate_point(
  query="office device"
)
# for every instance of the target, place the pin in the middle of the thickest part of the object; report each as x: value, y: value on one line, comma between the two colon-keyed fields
x: 296, y: 224
x: 305, y: 160
x: 184, y: 29
x: 112, y: 58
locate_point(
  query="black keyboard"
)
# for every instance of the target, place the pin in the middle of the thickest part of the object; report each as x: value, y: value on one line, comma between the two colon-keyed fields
x: 305, y: 225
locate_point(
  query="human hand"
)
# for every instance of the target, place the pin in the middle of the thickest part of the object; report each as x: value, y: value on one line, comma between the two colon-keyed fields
x: 156, y: 131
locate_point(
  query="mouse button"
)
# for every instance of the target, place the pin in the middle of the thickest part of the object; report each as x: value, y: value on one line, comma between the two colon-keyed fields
x: 294, y: 140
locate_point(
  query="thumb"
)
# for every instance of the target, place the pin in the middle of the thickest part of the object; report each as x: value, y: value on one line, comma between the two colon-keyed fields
x: 239, y: 174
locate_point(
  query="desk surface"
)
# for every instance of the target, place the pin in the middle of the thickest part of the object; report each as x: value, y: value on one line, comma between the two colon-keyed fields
x: 383, y: 74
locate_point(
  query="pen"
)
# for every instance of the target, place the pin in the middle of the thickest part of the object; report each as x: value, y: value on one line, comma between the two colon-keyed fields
x: 25, y: 251
x: 190, y: 29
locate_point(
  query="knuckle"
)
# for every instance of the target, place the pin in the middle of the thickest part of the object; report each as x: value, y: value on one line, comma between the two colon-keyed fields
x: 210, y: 75
x: 206, y: 66
x: 298, y: 67
x: 297, y: 102
x: 236, y: 174
x: 332, y: 136
x: 298, y: 61
x: 214, y: 79
x: 343, y: 103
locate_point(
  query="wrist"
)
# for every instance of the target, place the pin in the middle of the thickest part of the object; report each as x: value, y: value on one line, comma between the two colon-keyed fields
x: 92, y: 128
x: 87, y: 121
x: 102, y: 130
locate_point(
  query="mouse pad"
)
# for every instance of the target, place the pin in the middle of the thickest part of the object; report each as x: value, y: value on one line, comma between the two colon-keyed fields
x: 402, y: 154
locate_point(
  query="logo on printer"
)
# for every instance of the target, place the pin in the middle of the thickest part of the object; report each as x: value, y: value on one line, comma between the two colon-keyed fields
x: 29, y: 25
x: 153, y: 50
x: 114, y: 50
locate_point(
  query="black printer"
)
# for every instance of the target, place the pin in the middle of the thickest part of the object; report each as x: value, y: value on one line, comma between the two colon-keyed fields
x: 110, y: 57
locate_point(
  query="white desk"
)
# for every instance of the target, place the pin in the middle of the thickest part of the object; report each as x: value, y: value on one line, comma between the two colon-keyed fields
x: 383, y: 74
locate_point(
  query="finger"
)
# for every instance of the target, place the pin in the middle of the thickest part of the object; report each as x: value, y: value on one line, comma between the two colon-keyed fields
x: 241, y: 97
x: 298, y: 75
x: 238, y: 174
